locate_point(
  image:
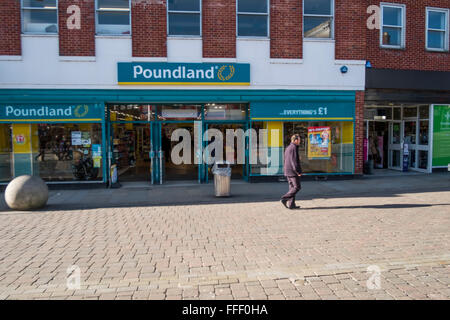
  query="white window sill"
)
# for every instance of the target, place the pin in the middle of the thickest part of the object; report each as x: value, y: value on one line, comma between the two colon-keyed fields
x: 76, y: 59
x: 392, y: 47
x: 437, y: 50
x: 286, y: 61
x: 184, y: 38
x: 112, y: 36
x: 10, y: 58
x: 253, y: 39
x: 40, y: 35
x: 319, y: 40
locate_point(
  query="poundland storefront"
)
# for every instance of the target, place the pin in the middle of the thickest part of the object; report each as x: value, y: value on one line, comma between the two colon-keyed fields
x: 100, y: 136
x: 88, y: 136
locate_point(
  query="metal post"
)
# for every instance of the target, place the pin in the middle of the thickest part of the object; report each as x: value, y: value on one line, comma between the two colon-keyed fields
x: 151, y: 156
x: 160, y: 166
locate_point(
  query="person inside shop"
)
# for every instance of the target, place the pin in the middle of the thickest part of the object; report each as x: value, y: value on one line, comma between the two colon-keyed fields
x: 166, y: 146
x: 293, y: 172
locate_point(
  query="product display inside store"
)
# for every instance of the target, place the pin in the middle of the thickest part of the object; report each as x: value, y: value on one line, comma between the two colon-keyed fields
x: 131, y: 147
x: 68, y: 151
x: 326, y: 147
x: 54, y: 152
x: 6, y: 172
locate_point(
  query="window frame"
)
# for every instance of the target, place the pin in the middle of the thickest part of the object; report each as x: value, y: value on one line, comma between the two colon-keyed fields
x: 446, y: 30
x: 22, y: 9
x: 402, y: 7
x: 333, y: 15
x: 267, y: 14
x: 97, y: 10
x: 200, y: 13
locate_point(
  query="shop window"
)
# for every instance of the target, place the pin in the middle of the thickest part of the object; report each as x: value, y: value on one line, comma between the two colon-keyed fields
x: 318, y: 18
x: 397, y: 113
x: 180, y: 112
x: 437, y: 29
x: 67, y: 152
x: 410, y: 112
x: 326, y: 147
x: 392, y: 33
x: 113, y: 17
x: 395, y: 156
x: 410, y: 132
x: 378, y: 113
x: 131, y: 112
x: 184, y: 17
x: 40, y: 16
x: 424, y: 112
x: 252, y: 18
x: 424, y: 128
x: 6, y: 173
x: 396, y: 133
x: 225, y: 111
x: 423, y: 159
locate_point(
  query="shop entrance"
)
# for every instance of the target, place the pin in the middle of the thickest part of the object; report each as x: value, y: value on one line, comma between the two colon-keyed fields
x: 236, y: 150
x: 159, y: 143
x: 395, y: 132
x: 131, y: 151
x: 171, y: 168
x: 379, y: 144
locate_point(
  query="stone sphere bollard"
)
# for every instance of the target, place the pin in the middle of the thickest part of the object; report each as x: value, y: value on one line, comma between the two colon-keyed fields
x: 26, y: 193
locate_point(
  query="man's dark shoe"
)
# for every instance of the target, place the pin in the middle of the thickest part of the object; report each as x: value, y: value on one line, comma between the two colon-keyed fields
x: 284, y: 202
x: 294, y: 207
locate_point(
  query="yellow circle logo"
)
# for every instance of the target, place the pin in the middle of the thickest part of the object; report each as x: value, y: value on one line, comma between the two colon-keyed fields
x: 81, y: 111
x: 221, y: 74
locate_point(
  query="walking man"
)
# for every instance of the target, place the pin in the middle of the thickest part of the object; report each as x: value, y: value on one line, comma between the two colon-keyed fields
x: 293, y: 172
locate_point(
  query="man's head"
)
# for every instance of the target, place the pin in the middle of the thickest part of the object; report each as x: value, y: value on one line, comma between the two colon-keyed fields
x: 295, y: 139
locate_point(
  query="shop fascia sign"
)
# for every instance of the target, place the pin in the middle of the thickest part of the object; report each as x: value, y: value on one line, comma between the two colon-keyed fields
x: 158, y: 73
x: 302, y: 111
x: 50, y: 112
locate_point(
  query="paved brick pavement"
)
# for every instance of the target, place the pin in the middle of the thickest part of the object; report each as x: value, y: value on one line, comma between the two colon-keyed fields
x: 252, y: 250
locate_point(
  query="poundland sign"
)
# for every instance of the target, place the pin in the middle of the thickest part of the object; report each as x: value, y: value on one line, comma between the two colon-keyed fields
x: 50, y: 112
x: 156, y: 73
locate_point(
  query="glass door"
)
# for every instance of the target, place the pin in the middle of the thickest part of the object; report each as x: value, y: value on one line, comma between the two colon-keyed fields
x: 395, y: 150
x: 410, y: 139
x: 155, y: 153
x: 233, y: 148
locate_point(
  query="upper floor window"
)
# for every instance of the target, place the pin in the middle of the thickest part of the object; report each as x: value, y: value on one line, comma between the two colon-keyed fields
x: 40, y: 16
x: 437, y: 29
x: 113, y: 17
x: 318, y: 19
x: 392, y: 26
x: 184, y: 17
x: 252, y: 18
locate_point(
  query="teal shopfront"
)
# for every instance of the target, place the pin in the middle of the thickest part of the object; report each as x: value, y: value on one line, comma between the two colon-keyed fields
x: 86, y: 136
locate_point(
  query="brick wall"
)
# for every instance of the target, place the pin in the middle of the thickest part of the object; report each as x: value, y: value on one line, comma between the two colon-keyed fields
x: 414, y: 56
x: 77, y: 42
x: 286, y: 25
x: 10, y: 28
x: 359, y: 132
x: 350, y: 29
x: 219, y: 28
x: 149, y: 28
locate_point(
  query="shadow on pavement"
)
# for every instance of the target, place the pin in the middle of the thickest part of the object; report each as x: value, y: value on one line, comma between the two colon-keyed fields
x: 381, y: 206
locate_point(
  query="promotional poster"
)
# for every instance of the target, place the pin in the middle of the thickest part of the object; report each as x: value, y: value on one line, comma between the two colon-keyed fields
x: 319, y: 142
